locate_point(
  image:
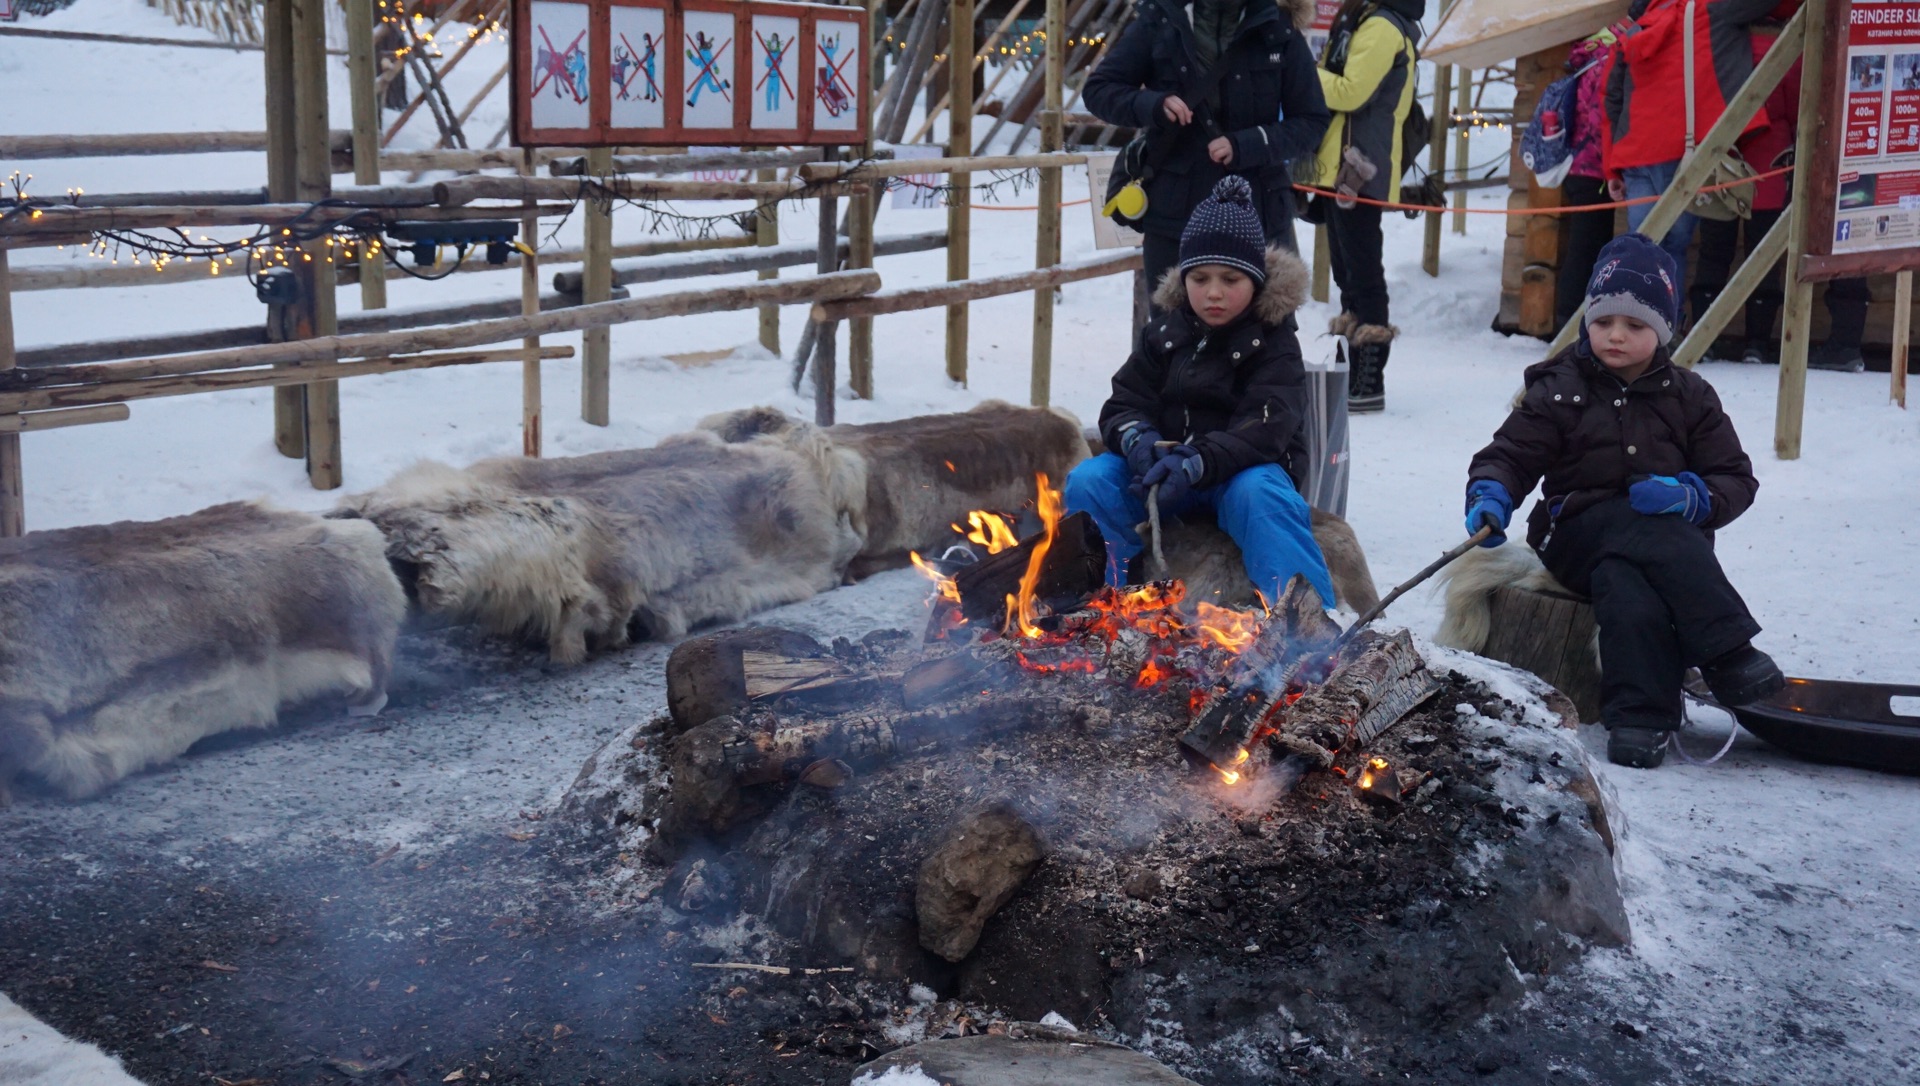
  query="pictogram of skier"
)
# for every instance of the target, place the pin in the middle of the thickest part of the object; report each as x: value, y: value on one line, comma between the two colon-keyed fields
x: 707, y: 57
x: 834, y: 92
x: 561, y: 67
x: 775, y: 79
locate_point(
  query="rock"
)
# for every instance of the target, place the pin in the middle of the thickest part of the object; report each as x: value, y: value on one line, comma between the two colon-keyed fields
x: 1024, y: 1061
x: 970, y: 875
x: 1142, y: 885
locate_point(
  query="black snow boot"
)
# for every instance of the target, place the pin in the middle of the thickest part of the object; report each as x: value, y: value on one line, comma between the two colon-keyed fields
x: 1847, y: 328
x: 1366, y: 372
x: 1743, y: 676
x: 1639, y: 748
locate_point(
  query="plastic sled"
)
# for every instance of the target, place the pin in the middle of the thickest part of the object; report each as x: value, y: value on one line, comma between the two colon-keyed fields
x: 1840, y: 723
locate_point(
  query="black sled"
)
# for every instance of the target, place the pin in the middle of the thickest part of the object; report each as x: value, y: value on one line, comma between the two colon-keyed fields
x: 1839, y: 723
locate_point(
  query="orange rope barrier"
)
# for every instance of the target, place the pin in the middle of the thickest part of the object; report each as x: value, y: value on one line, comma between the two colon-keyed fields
x: 1330, y: 194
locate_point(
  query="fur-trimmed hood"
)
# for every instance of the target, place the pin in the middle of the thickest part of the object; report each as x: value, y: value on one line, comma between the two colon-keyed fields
x: 1299, y: 12
x: 1284, y: 292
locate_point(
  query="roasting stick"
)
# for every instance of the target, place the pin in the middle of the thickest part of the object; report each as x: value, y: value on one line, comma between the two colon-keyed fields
x: 1413, y: 582
x: 776, y: 970
x: 1153, y: 518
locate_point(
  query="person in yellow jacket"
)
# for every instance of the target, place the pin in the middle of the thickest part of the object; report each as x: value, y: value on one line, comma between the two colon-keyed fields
x: 1367, y: 76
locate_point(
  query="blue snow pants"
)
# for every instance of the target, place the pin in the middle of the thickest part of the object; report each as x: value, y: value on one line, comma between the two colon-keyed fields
x: 1259, y: 508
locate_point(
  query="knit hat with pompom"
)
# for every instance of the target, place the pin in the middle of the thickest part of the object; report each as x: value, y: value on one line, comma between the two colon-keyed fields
x: 1225, y: 229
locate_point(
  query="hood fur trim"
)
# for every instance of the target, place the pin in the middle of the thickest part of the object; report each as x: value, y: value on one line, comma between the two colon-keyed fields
x: 1300, y: 11
x: 1285, y: 291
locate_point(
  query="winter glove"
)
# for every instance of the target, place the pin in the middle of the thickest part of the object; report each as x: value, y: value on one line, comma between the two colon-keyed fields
x: 1175, y: 474
x: 1489, y: 503
x: 1138, y: 447
x: 1685, y: 494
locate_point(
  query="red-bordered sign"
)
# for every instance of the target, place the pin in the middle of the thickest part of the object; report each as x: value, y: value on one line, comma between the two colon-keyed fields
x: 1863, y: 194
x: 737, y: 72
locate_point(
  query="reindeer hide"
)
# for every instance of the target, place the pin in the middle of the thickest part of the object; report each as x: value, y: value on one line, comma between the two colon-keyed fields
x: 1470, y: 582
x: 122, y: 645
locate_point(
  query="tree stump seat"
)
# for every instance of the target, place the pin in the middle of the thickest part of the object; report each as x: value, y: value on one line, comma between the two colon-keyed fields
x: 1550, y: 633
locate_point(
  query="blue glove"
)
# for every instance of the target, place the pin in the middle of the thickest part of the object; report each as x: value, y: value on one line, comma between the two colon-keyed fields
x: 1685, y: 494
x: 1489, y: 503
x: 1137, y: 445
x: 1175, y: 474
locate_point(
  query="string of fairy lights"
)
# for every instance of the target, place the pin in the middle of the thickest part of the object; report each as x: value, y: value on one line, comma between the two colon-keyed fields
x: 418, y: 30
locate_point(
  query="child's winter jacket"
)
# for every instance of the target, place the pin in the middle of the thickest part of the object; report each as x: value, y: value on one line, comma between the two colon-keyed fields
x: 1237, y: 394
x: 1589, y: 435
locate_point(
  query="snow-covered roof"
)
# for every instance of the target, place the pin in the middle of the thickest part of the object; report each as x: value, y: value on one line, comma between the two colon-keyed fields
x: 1482, y: 33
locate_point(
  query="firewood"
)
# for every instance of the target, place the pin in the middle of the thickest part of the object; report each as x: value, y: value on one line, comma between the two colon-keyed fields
x: 1073, y: 569
x: 707, y: 678
x: 932, y: 681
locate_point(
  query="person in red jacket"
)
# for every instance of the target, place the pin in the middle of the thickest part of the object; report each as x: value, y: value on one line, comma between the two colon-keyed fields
x: 1586, y: 181
x: 1646, y: 96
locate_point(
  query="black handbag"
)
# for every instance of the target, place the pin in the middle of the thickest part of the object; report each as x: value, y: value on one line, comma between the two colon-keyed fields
x: 1134, y: 167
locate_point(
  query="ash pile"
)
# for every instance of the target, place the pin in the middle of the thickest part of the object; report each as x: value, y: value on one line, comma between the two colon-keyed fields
x: 1237, y: 840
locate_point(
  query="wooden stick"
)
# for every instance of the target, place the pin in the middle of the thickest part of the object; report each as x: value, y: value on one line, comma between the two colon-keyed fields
x: 316, y: 311
x: 979, y: 58
x: 13, y: 511
x: 366, y: 129
x: 1436, y: 164
x: 1411, y: 583
x: 968, y: 290
x: 825, y: 358
x: 36, y: 421
x: 1902, y: 334
x: 485, y: 89
x: 129, y: 39
x: 1463, y: 103
x: 1047, y: 235
x: 832, y: 287
x: 766, y: 227
x: 466, y: 190
x: 289, y: 407
x: 85, y: 220
x: 873, y: 171
x: 143, y: 143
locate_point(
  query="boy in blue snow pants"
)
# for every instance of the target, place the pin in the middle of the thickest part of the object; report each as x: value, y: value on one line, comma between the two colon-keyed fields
x: 1219, y: 374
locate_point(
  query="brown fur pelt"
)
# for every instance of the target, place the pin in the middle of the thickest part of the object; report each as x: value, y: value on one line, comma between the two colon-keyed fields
x: 122, y: 645
x: 926, y: 473
x: 1470, y: 582
x: 576, y: 551
x: 1207, y: 559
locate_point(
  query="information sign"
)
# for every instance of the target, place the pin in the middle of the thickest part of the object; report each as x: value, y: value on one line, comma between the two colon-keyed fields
x: 1864, y: 192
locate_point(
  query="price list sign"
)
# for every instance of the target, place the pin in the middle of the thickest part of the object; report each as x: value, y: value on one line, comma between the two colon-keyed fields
x: 1865, y: 191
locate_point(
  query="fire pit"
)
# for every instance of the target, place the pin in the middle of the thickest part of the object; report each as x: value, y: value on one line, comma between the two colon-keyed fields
x: 1214, y: 834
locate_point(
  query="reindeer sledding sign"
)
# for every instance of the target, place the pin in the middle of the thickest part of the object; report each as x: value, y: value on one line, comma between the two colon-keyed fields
x: 592, y: 73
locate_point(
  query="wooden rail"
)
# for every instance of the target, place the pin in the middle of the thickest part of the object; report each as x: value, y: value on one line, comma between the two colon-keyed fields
x: 972, y: 290
x: 904, y: 167
x: 144, y: 143
x: 744, y: 260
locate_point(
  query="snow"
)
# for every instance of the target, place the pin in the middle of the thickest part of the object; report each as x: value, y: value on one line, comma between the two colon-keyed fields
x: 911, y: 1075
x: 34, y: 1054
x: 1771, y: 900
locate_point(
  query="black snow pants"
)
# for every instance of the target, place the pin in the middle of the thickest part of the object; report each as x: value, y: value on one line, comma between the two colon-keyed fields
x: 1661, y: 601
x: 1354, y: 243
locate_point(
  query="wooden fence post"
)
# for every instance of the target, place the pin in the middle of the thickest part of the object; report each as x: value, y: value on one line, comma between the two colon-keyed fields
x: 766, y: 232
x: 1902, y: 332
x: 1437, y: 164
x: 596, y: 285
x: 320, y: 278
x: 825, y: 359
x: 1047, y: 237
x: 289, y: 403
x: 530, y: 391
x: 1797, y: 320
x: 13, y: 512
x: 960, y: 185
x: 1462, y: 105
x: 361, y: 75
x: 861, y: 210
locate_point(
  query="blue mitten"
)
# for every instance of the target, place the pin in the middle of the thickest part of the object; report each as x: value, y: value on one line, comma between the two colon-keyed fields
x: 1175, y: 474
x: 1685, y: 494
x: 1138, y: 447
x: 1489, y: 503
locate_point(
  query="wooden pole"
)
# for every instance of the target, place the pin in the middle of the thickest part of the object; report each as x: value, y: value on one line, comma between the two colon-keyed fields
x: 1436, y: 164
x: 861, y: 210
x: 1046, y: 244
x: 289, y: 404
x: 597, y: 286
x: 1797, y: 320
x: 366, y: 137
x: 530, y: 393
x: 1322, y: 287
x: 37, y: 421
x: 314, y: 181
x: 13, y: 511
x: 825, y: 359
x: 1761, y: 258
x: 959, y: 202
x: 766, y: 230
x: 1902, y: 333
x: 1463, y: 105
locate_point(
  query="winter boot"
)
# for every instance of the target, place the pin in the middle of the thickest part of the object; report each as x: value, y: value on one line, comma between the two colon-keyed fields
x: 1366, y: 373
x: 1743, y: 676
x: 1847, y: 327
x: 1639, y: 748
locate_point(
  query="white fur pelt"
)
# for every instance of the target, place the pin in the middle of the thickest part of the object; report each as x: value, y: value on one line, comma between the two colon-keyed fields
x: 122, y: 645
x: 1470, y: 582
x: 1210, y: 564
x: 577, y: 551
x: 928, y: 472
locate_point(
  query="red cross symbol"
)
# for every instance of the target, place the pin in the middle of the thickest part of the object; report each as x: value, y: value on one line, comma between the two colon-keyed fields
x: 833, y: 70
x: 554, y: 62
x: 776, y: 69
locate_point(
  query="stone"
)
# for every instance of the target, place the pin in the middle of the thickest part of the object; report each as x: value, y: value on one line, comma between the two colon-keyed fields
x: 976, y: 869
x: 1055, y: 1059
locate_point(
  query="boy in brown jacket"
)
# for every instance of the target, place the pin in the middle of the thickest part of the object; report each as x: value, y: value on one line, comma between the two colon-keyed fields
x: 1640, y: 465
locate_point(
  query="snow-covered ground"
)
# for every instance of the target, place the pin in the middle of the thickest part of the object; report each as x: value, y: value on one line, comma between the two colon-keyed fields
x: 1772, y: 901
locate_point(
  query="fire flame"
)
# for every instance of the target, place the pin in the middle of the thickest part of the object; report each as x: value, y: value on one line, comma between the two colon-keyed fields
x: 1374, y: 765
x: 990, y: 530
x: 1022, y: 611
x: 1152, y: 674
x: 1227, y: 775
x: 1227, y: 628
x: 941, y: 582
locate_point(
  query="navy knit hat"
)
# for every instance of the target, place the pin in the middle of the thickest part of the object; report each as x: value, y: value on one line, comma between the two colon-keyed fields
x: 1225, y: 229
x: 1634, y: 277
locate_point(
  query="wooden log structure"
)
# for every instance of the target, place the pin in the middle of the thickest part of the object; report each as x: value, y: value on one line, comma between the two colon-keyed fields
x: 744, y: 260
x: 576, y: 166
x: 120, y: 145
x: 466, y: 190
x: 910, y: 298
x: 132, y: 39
x: 36, y: 421
x: 58, y: 225
x: 1552, y: 635
x: 834, y: 285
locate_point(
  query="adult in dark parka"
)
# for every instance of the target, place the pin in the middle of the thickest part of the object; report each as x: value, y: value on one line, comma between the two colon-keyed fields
x: 1265, y: 112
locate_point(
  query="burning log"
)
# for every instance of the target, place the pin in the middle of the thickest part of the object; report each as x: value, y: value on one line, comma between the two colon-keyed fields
x: 1072, y: 565
x: 1296, y: 629
x: 1365, y: 697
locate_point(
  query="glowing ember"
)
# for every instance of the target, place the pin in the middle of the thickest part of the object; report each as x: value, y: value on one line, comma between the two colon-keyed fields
x: 1374, y: 765
x: 1227, y: 775
x: 1151, y: 675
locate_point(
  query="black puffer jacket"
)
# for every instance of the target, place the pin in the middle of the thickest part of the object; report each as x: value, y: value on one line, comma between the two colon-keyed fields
x: 1268, y: 103
x: 1237, y: 394
x: 1588, y: 435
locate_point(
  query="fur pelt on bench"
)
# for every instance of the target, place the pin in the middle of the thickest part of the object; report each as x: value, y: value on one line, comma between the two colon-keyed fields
x: 1470, y: 582
x: 577, y: 551
x: 121, y: 645
x: 928, y: 472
